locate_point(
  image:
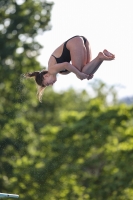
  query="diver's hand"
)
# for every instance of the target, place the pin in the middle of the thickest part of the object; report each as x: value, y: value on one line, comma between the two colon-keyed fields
x: 90, y: 76
x: 82, y: 76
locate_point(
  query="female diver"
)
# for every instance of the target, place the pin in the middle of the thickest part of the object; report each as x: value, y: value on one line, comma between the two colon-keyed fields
x: 74, y: 55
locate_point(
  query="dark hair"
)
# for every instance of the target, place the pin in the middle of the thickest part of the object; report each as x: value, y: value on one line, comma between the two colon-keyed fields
x: 38, y: 76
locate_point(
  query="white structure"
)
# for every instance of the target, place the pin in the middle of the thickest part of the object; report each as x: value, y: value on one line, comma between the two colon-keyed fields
x: 5, y: 195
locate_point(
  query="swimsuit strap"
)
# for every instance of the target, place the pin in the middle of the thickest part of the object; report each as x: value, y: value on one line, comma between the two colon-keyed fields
x: 53, y: 56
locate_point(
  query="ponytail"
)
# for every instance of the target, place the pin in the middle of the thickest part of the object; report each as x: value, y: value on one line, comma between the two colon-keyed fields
x: 32, y: 74
x: 38, y: 76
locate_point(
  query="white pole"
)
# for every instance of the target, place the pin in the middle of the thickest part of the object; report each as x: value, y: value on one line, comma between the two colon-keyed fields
x: 5, y: 195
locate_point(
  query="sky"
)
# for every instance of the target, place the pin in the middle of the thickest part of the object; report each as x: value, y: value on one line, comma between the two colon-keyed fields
x: 107, y: 25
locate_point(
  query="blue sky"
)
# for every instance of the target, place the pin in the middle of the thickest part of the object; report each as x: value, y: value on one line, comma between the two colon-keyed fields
x: 107, y: 25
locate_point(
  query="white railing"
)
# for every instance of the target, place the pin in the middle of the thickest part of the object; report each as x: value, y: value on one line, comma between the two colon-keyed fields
x: 5, y: 195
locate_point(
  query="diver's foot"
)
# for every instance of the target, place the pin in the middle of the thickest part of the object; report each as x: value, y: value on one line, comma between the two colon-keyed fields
x: 105, y: 55
x: 108, y: 54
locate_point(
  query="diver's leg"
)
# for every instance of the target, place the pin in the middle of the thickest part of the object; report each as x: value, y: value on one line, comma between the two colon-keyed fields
x: 78, y: 52
x: 92, y: 67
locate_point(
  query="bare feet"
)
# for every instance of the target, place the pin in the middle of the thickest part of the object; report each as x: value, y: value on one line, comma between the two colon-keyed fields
x: 106, y: 55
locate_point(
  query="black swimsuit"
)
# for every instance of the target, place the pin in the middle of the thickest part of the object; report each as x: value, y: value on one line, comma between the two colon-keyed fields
x: 66, y: 57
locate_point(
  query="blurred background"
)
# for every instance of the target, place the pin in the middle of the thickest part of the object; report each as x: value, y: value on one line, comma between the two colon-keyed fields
x: 78, y: 143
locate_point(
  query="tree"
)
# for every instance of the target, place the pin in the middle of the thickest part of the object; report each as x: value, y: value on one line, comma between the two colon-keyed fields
x: 20, y: 22
x: 88, y: 155
x: 84, y: 153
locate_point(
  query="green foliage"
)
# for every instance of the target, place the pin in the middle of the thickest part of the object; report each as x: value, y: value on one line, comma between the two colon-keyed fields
x: 20, y: 23
x: 69, y: 152
x: 71, y: 146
